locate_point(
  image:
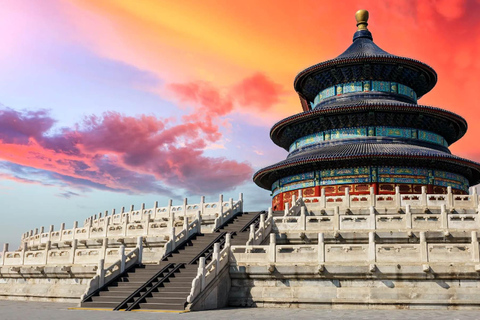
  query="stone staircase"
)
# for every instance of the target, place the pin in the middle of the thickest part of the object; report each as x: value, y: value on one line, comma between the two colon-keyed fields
x: 165, y: 286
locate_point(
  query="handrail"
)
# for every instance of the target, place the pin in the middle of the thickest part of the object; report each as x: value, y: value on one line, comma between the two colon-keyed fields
x: 106, y: 284
x: 209, y: 254
x: 247, y: 226
x: 165, y: 256
x: 198, y: 256
x: 142, y: 287
x: 155, y: 286
x: 226, y: 222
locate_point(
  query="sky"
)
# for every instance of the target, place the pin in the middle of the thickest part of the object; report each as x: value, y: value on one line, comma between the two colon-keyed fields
x: 105, y: 104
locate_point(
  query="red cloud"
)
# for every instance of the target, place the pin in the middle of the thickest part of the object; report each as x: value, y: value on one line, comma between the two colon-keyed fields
x: 257, y: 92
x: 115, y: 152
x: 254, y: 93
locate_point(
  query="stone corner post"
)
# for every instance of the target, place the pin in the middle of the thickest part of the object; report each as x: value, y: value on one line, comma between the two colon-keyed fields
x: 122, y: 258
x: 140, y: 249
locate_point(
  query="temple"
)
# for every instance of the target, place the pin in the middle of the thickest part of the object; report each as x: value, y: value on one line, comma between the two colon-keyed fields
x: 362, y: 131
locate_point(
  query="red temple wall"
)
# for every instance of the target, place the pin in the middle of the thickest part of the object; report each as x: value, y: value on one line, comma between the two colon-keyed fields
x: 356, y: 189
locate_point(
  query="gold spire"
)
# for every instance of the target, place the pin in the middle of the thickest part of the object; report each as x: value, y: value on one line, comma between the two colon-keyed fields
x: 362, y: 19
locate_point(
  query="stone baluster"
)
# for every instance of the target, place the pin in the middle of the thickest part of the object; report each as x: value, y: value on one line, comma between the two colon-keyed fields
x: 74, y: 229
x: 140, y: 249
x: 423, y: 247
x: 173, y: 241
x: 408, y: 217
x: 303, y: 219
x: 371, y: 247
x: 398, y: 198
x: 185, y: 202
x: 294, y: 200
x: 286, y: 209
x: 24, y: 251
x: 169, y: 209
x: 449, y: 198
x: 336, y: 218
x: 155, y: 213
x: 228, y: 239
x: 201, y: 271
x: 474, y: 197
x: 475, y: 247
x: 220, y: 203
x: 4, y: 252
x: 202, y: 205
x: 122, y: 258
x: 373, y: 218
x: 199, y: 221
x: 347, y: 198
x: 48, y: 246
x: 73, y: 250
x: 230, y: 204
x: 272, y: 249
x: 126, y: 221
x: 423, y: 197
x: 261, y: 225
x: 323, y: 200
x: 251, y: 236
x: 50, y: 231
x: 443, y: 217
x: 185, y: 226
x: 216, y: 256
x: 89, y: 228
x: 372, y: 197
x: 101, y: 272
x: 321, y: 248
x: 103, y: 254
x: 240, y: 199
x: 270, y: 212
x: 62, y: 227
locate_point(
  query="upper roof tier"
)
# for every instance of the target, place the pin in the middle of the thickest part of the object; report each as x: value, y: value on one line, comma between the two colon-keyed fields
x: 364, y: 60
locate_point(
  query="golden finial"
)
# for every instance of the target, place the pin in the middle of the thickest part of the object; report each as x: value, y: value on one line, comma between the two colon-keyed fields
x: 362, y: 19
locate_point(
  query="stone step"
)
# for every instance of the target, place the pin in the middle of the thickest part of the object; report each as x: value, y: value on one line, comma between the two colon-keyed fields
x: 174, y: 289
x: 162, y: 306
x: 116, y: 293
x: 160, y: 294
x: 103, y: 305
x: 166, y: 299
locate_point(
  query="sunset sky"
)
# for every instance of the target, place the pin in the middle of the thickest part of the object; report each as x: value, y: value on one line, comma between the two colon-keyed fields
x: 105, y: 104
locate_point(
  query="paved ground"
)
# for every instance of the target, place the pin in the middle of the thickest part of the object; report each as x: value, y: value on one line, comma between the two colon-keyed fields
x: 12, y: 310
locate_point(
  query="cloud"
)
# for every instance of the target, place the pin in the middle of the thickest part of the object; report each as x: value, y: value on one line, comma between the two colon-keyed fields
x: 253, y: 94
x: 142, y: 154
x: 257, y: 92
x: 68, y: 194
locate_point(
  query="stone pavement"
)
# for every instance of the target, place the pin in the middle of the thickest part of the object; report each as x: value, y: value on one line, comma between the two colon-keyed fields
x: 12, y: 310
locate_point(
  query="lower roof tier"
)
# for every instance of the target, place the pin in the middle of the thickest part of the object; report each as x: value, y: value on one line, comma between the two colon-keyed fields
x: 369, y: 113
x: 367, y: 154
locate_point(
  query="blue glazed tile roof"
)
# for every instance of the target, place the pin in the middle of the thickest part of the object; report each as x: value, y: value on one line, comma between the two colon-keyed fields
x: 356, y: 153
x: 364, y: 60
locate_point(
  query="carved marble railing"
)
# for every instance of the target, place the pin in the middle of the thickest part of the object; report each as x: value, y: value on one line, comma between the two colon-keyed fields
x: 74, y: 255
x: 393, y: 201
x: 422, y: 252
x: 207, y: 273
x: 154, y: 222
x: 371, y: 219
x: 264, y: 228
